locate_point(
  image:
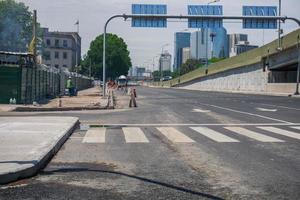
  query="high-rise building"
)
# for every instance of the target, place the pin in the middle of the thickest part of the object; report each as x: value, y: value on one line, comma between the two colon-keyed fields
x: 62, y: 49
x: 209, y: 43
x: 186, y: 54
x: 243, y: 47
x: 235, y: 39
x: 165, y: 62
x: 181, y: 40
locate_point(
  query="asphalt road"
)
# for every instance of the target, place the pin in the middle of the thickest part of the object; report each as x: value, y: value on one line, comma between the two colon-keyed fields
x: 177, y: 144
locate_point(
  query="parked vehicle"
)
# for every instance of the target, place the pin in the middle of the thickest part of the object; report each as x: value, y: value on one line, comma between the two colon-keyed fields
x: 166, y: 78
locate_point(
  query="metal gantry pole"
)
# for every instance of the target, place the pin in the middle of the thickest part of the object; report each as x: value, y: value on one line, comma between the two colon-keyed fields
x: 298, y: 68
x: 204, y: 17
x: 206, y: 52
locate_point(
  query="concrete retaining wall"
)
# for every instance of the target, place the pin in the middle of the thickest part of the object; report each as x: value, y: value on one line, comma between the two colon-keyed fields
x: 288, y: 88
x: 250, y: 78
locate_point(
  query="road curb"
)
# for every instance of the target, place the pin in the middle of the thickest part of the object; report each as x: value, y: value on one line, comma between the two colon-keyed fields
x: 40, y: 164
x: 27, y: 109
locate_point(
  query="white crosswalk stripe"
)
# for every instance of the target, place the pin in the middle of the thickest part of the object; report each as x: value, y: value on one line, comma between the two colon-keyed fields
x: 174, y: 135
x: 280, y: 131
x: 296, y: 127
x: 254, y: 135
x: 95, y: 135
x: 214, y: 135
x: 134, y: 135
x: 137, y: 135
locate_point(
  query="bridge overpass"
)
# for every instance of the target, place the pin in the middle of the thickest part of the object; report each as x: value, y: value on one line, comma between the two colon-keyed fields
x: 263, y: 70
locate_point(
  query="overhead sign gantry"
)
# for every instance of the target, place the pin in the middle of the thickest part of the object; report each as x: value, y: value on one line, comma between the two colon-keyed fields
x: 148, y: 15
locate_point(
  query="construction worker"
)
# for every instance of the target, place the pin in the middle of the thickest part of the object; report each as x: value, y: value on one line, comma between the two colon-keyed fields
x: 70, y: 86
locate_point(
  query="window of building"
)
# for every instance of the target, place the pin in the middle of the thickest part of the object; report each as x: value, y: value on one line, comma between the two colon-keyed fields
x: 56, y: 54
x: 48, y: 42
x: 57, y: 66
x: 65, y: 43
x: 65, y: 66
x: 47, y: 55
x: 57, y: 43
x: 65, y: 55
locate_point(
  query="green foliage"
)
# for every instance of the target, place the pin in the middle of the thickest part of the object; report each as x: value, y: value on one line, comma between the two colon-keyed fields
x: 157, y: 74
x: 15, y: 26
x: 214, y: 60
x: 175, y: 74
x: 190, y: 65
x: 117, y: 57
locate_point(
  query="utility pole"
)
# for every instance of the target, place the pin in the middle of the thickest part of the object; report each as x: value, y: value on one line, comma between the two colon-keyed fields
x: 76, y: 53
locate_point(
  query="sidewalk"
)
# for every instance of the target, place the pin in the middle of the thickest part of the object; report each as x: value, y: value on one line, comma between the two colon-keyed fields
x: 27, y: 144
x: 88, y: 99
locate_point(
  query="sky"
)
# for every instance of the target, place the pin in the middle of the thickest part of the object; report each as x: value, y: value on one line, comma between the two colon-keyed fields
x: 146, y: 43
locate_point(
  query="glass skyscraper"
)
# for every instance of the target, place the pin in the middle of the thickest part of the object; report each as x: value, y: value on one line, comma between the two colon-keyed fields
x: 211, y: 42
x: 181, y: 40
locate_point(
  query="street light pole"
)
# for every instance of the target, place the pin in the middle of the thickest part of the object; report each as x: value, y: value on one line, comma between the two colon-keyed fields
x: 206, y: 46
x: 279, y: 27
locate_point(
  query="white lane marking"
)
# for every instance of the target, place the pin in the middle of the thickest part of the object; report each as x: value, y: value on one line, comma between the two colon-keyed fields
x: 200, y: 111
x: 290, y: 108
x: 281, y: 132
x: 134, y: 135
x: 174, y: 135
x: 254, y: 135
x: 296, y: 127
x: 214, y: 135
x: 247, y: 113
x: 266, y: 109
x: 95, y: 135
x: 185, y: 124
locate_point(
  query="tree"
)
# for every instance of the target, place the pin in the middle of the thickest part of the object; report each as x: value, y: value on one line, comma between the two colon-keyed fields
x: 15, y: 26
x: 118, y: 61
x: 157, y: 75
x: 190, y: 65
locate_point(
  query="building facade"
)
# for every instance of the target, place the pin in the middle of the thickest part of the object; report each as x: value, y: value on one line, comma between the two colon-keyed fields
x: 61, y: 49
x: 235, y: 39
x: 208, y: 43
x: 186, y: 54
x: 243, y: 47
x: 181, y: 40
x: 165, y: 62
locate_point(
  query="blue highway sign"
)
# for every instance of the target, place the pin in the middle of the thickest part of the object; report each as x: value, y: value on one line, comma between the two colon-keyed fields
x: 205, y: 10
x: 259, y: 11
x: 147, y: 9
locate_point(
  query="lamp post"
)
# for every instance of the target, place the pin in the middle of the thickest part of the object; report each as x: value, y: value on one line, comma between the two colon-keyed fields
x: 206, y: 46
x: 212, y: 35
x: 279, y: 27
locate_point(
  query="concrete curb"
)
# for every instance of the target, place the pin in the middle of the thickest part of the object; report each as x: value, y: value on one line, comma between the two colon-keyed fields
x: 40, y: 164
x: 236, y: 92
x: 243, y: 92
x: 37, y: 109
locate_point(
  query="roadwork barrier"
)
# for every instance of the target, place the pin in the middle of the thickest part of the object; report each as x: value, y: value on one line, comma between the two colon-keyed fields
x: 133, y: 96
